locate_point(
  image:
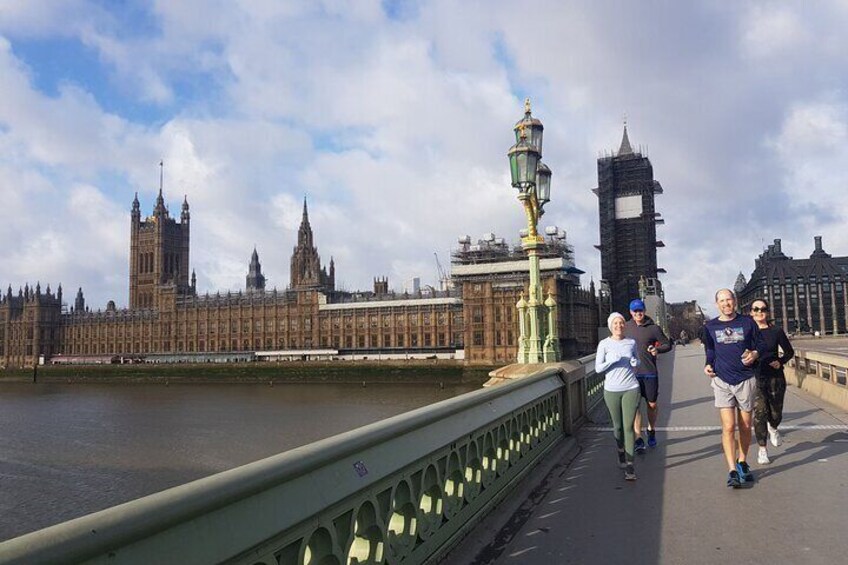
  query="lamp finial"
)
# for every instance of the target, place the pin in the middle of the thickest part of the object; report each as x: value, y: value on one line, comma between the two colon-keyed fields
x: 527, y: 105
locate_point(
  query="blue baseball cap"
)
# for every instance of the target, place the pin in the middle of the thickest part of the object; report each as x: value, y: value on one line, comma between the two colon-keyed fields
x: 636, y: 304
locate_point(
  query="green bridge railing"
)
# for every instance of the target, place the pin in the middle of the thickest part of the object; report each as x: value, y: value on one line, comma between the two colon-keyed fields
x: 402, y: 490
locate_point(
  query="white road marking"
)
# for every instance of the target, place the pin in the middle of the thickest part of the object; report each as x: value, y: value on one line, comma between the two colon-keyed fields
x: 841, y: 427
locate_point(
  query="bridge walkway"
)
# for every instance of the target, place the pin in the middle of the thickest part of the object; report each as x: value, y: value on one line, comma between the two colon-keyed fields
x: 679, y: 510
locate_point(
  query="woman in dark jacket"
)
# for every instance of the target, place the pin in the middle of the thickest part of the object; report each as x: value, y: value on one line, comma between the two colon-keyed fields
x: 771, y: 384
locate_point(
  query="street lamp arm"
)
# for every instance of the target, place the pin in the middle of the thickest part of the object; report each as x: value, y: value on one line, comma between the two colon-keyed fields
x: 532, y: 210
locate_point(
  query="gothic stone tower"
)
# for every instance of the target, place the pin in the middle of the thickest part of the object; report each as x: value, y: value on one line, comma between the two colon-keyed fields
x: 306, y: 270
x: 255, y: 279
x: 159, y: 253
x: 626, y: 189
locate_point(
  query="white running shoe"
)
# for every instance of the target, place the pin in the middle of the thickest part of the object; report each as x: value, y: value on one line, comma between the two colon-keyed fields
x: 774, y: 436
x: 762, y: 457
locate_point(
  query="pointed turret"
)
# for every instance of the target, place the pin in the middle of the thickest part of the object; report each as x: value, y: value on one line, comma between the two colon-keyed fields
x: 79, y: 302
x: 59, y: 294
x: 625, y: 148
x: 255, y: 278
x: 159, y: 209
x: 193, y: 282
x: 136, y: 208
x: 185, y: 216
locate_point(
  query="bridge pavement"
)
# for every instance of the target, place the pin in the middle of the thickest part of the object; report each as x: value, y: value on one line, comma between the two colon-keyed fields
x: 580, y: 510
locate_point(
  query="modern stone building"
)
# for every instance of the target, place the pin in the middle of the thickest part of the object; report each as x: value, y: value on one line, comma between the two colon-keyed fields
x: 168, y: 320
x: 628, y: 222
x: 805, y: 295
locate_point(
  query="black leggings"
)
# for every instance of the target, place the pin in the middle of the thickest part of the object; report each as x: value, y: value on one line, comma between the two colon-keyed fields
x: 768, y: 406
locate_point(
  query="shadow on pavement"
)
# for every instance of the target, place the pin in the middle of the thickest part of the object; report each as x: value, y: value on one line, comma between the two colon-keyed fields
x: 833, y: 445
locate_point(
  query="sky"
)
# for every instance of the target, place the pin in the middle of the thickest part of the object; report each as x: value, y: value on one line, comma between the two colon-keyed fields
x: 393, y: 118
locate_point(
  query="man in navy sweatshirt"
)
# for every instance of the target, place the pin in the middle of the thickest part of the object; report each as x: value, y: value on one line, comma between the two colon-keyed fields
x: 733, y: 344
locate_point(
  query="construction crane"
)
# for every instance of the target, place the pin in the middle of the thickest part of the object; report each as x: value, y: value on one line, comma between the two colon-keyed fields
x: 443, y: 278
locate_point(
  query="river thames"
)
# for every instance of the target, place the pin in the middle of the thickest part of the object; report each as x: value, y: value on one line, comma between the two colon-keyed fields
x: 67, y: 450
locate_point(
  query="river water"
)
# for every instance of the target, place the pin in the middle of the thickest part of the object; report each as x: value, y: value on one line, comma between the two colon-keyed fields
x: 67, y: 450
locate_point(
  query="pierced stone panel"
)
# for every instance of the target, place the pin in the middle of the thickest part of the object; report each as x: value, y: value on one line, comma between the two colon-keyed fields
x: 407, y: 516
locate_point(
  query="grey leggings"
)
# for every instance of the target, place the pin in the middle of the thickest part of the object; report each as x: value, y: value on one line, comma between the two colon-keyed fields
x: 622, y: 407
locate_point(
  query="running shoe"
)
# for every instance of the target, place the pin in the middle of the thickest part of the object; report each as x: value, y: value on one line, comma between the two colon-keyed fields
x: 652, y: 438
x: 622, y: 463
x: 762, y: 457
x: 774, y: 436
x: 745, y: 474
x: 629, y: 473
x: 640, y: 446
x: 733, y: 480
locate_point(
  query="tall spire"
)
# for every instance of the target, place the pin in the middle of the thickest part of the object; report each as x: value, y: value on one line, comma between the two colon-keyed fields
x: 625, y: 148
x: 255, y: 278
x: 304, y: 233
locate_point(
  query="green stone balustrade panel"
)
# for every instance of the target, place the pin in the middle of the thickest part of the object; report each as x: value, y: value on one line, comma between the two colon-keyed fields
x: 397, y: 491
x: 422, y: 507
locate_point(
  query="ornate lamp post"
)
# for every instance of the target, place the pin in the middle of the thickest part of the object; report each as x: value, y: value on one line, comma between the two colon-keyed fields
x: 532, y: 179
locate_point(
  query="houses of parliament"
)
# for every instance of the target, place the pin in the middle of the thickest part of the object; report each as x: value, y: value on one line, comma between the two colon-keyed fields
x: 167, y: 320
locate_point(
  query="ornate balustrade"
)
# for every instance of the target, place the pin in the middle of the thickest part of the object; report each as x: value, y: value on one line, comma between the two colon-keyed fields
x: 397, y: 491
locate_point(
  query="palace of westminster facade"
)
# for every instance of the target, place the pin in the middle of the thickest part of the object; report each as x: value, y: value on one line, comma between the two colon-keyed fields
x: 474, y: 319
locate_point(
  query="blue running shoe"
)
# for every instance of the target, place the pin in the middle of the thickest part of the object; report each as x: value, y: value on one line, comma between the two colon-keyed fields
x: 745, y: 474
x: 640, y: 446
x: 733, y: 480
x: 652, y: 439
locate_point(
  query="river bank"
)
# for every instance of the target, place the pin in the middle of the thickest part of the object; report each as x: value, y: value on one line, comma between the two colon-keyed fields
x: 411, y: 371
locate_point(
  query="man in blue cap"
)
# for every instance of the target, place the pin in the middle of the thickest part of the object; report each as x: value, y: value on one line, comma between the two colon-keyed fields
x: 650, y: 342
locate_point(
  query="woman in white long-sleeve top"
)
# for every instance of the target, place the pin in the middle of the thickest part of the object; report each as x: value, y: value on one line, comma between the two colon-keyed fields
x: 617, y: 358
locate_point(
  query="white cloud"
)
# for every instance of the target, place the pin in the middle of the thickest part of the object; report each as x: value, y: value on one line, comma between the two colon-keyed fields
x: 813, y: 147
x: 772, y: 30
x: 397, y: 131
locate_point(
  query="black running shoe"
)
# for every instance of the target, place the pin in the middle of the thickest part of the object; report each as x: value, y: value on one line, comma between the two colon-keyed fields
x: 629, y: 473
x: 733, y: 480
x: 640, y: 446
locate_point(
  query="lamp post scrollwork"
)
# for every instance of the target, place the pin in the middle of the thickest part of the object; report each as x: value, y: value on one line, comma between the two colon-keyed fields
x: 538, y: 342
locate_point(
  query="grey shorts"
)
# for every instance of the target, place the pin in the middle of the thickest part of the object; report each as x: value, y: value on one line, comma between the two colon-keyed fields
x: 734, y: 396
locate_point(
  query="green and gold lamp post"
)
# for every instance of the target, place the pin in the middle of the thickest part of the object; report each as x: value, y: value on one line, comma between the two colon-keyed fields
x: 532, y: 179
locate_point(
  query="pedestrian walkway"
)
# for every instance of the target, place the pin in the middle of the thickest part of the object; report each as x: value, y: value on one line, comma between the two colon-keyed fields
x: 679, y: 510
